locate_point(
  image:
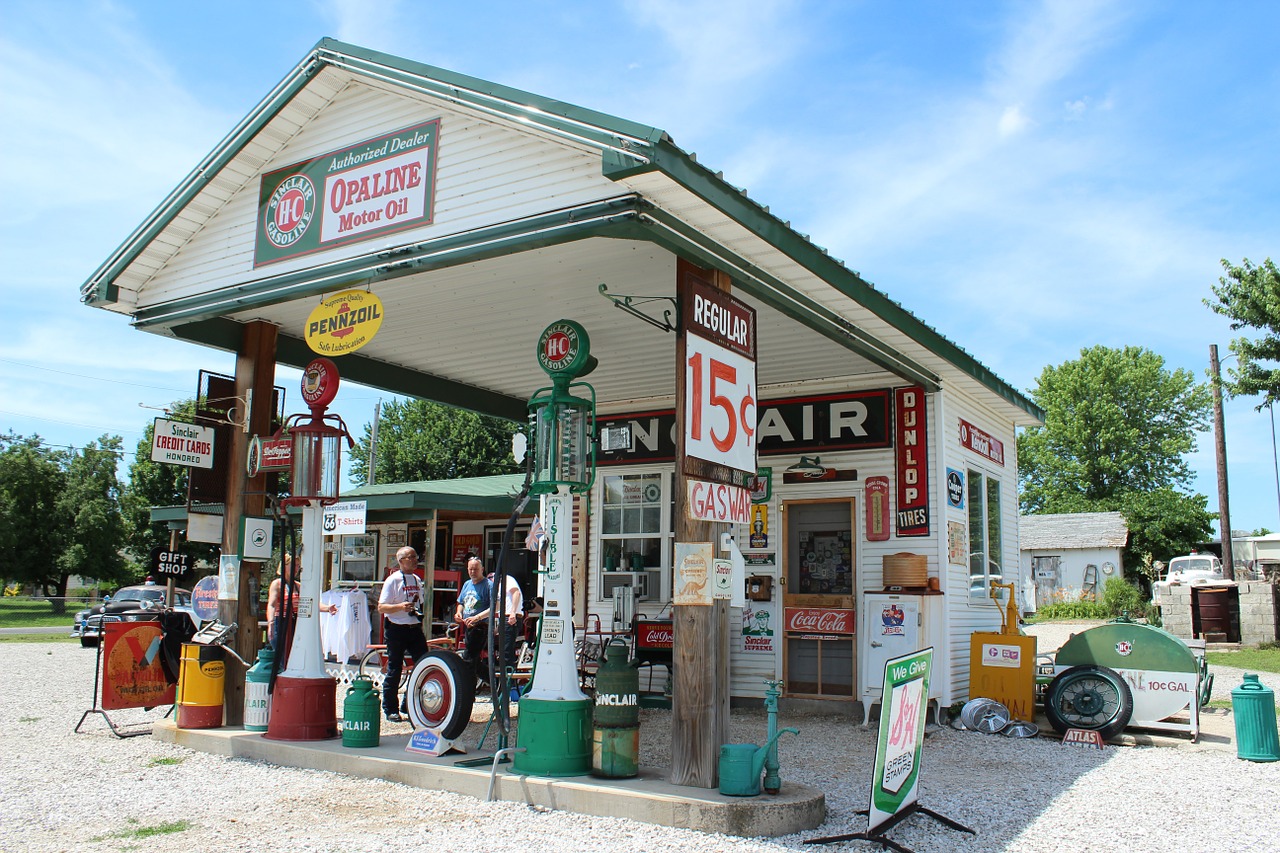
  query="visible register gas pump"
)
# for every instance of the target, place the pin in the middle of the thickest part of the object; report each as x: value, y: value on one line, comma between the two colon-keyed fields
x: 303, y: 705
x: 555, y: 715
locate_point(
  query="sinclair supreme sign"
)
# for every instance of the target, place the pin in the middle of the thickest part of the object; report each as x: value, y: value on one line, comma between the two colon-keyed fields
x: 371, y: 188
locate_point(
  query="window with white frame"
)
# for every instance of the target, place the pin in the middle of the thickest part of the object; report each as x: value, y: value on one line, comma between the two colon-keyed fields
x: 986, y: 542
x: 635, y: 530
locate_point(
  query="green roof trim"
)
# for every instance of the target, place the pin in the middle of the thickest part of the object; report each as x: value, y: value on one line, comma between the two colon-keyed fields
x: 734, y: 203
x: 225, y: 334
x: 506, y: 238
x: 627, y: 149
x: 400, y: 501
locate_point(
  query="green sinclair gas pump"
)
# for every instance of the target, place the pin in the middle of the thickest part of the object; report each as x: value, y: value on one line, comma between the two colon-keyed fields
x: 554, y: 737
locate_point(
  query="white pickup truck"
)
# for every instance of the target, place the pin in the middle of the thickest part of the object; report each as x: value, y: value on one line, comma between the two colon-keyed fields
x: 1191, y: 569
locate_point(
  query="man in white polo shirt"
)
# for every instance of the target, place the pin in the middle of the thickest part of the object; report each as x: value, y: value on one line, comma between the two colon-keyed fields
x: 400, y: 604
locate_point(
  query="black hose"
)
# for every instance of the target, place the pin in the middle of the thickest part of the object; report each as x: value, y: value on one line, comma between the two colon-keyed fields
x: 289, y: 547
x: 498, y: 681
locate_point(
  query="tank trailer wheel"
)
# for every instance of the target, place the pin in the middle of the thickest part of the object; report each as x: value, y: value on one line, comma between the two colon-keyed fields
x: 1089, y: 697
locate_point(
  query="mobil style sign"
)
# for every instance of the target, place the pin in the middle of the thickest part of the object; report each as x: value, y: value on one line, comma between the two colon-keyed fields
x: 376, y: 186
x: 719, y: 377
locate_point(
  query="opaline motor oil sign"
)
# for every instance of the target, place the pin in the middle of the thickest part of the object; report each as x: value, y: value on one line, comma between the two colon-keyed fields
x: 374, y: 187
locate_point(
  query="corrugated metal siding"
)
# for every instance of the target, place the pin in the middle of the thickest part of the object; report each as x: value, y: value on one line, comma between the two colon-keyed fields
x: 485, y: 173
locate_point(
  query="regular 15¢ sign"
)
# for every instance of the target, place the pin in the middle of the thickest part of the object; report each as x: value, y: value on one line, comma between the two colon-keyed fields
x: 720, y: 378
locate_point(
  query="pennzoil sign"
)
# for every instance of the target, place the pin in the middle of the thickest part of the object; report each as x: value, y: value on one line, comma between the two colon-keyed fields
x: 374, y: 187
x: 344, y: 323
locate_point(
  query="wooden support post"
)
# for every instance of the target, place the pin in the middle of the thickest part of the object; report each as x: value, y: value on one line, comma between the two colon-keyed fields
x: 255, y: 370
x: 700, y: 678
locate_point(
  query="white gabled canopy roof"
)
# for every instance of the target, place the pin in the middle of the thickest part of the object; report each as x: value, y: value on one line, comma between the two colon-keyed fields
x: 537, y: 205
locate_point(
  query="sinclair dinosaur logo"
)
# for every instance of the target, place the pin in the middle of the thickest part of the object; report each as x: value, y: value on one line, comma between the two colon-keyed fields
x: 290, y: 211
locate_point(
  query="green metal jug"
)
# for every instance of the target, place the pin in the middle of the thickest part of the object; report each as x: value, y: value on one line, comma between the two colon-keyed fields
x: 1253, y: 705
x: 361, y: 724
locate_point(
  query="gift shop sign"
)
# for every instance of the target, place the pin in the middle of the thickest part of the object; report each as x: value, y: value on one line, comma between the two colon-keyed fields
x: 176, y: 443
x: 374, y: 187
x: 818, y: 620
x: 719, y: 378
x: 981, y: 442
x: 911, y: 433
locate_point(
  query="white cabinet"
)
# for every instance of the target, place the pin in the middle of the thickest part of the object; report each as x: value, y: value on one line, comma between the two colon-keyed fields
x: 894, y: 625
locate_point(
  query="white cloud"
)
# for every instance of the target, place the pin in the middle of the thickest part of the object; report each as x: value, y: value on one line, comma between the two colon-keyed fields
x: 1013, y: 121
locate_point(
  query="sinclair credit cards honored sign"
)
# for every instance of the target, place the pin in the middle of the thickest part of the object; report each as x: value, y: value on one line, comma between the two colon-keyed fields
x: 371, y: 188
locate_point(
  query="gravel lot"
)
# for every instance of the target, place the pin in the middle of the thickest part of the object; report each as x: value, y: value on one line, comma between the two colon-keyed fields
x: 93, y: 791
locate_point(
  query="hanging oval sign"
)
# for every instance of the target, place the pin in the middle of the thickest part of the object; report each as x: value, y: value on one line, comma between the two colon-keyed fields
x: 344, y: 323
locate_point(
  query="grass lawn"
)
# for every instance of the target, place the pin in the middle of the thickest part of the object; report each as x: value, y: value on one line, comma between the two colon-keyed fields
x: 34, y: 613
x: 1254, y: 660
x: 37, y: 638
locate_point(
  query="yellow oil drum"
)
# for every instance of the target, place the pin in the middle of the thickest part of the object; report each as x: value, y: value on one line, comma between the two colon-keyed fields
x: 200, y: 686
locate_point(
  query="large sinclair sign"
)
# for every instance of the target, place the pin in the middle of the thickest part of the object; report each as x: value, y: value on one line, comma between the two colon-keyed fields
x: 374, y: 187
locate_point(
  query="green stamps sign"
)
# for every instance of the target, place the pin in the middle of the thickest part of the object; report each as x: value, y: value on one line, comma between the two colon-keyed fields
x: 902, y: 713
x: 374, y: 187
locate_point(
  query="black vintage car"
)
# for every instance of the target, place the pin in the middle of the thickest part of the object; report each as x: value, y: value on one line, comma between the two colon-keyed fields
x: 88, y: 622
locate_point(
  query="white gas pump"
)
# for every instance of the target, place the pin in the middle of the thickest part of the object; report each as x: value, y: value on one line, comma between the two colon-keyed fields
x: 304, y: 699
x: 555, y: 715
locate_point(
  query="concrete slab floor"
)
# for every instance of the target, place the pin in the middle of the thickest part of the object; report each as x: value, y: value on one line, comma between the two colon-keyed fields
x: 649, y: 797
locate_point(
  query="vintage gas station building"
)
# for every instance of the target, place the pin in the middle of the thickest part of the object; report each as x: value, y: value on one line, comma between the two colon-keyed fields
x: 885, y: 500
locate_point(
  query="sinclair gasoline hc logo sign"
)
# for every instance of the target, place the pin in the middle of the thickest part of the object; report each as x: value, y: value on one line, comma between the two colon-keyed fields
x: 290, y: 211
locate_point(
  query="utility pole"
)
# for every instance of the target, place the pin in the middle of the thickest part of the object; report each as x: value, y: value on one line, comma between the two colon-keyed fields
x: 373, y: 442
x: 1220, y: 444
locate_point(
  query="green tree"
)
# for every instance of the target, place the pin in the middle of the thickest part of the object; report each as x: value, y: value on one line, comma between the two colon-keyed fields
x: 32, y: 476
x: 421, y: 440
x: 1250, y: 297
x: 1118, y: 425
x: 152, y: 484
x: 89, y: 506
x: 59, y: 514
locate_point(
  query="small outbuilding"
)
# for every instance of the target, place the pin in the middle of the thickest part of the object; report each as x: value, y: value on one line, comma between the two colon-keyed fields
x: 1070, y: 555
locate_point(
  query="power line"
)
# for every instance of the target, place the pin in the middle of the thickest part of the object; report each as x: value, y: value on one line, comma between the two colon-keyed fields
x: 67, y: 423
x: 87, y: 376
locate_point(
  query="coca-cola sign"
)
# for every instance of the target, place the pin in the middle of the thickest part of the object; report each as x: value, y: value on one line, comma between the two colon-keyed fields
x: 655, y: 635
x: 819, y: 620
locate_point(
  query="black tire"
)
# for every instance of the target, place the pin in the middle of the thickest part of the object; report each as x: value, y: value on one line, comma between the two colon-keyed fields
x: 87, y: 643
x: 441, y: 694
x: 1089, y: 697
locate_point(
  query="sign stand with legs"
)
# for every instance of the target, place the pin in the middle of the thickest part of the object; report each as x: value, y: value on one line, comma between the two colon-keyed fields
x: 894, y: 787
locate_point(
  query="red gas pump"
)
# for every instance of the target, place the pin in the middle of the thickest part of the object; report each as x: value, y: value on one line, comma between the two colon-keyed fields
x: 304, y: 699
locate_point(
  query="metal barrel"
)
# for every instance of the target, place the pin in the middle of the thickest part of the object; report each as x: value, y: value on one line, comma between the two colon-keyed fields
x: 200, y: 681
x: 361, y: 725
x: 615, y: 741
x: 617, y: 702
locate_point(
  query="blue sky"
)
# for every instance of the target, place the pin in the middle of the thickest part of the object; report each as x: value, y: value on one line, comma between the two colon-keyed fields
x: 1028, y: 177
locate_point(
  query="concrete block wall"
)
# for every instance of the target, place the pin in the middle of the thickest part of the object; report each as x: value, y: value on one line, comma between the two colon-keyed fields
x: 1259, y: 612
x: 1175, y: 610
